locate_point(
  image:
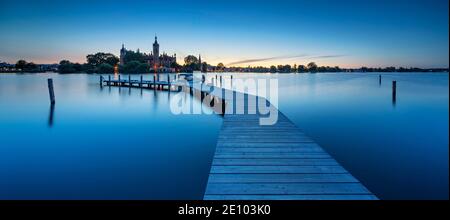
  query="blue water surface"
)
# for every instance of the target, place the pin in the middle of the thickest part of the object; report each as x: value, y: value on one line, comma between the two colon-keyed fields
x: 398, y: 150
x: 100, y: 143
x: 112, y: 143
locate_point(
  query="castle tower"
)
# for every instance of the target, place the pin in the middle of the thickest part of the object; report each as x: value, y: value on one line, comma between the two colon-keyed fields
x: 200, y: 62
x: 123, y: 51
x: 156, y: 52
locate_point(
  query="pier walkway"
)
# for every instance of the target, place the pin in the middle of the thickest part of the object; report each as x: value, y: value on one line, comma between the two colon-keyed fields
x: 141, y: 83
x: 265, y: 162
x: 276, y: 162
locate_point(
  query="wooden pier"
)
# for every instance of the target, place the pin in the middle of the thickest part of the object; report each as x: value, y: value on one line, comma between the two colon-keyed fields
x: 277, y: 162
x: 141, y: 83
x: 261, y: 162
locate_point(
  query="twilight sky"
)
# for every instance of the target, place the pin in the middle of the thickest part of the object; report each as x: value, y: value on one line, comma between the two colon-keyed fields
x: 346, y: 33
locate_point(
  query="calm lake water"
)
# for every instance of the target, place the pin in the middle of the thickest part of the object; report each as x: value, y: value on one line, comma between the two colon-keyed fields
x: 102, y: 143
x: 397, y: 150
x: 111, y: 143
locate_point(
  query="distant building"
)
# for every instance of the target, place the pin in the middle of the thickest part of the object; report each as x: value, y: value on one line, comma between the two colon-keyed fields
x: 123, y: 51
x: 160, y: 62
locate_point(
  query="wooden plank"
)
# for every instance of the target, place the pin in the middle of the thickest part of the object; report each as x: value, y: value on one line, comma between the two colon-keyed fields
x: 308, y: 144
x: 274, y: 162
x: 272, y: 155
x: 277, y: 169
x: 266, y: 150
x: 283, y: 178
x: 292, y: 197
x: 285, y: 188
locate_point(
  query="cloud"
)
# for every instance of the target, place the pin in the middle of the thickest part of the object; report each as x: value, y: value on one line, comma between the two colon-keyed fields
x: 265, y: 59
x: 283, y: 57
x: 327, y: 56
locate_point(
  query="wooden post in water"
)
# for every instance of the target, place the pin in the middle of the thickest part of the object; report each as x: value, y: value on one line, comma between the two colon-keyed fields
x: 202, y: 94
x: 231, y: 82
x: 140, y: 85
x: 120, y: 84
x: 50, y: 91
x: 394, y: 91
x: 109, y: 80
x: 168, y: 82
x: 379, y: 79
x: 221, y: 81
x: 154, y: 82
x: 223, y: 99
x: 101, y: 80
x: 129, y: 80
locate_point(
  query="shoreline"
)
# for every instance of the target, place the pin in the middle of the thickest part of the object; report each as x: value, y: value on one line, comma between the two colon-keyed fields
x: 353, y: 72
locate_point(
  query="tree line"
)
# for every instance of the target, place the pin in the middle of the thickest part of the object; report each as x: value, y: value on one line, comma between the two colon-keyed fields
x: 135, y: 62
x: 312, y: 67
x: 96, y: 63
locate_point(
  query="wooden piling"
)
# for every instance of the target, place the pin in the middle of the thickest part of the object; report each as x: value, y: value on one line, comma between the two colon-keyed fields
x: 109, y: 80
x: 101, y: 80
x: 394, y: 91
x: 223, y: 99
x: 129, y: 80
x: 140, y: 85
x: 120, y: 84
x: 51, y: 91
x: 154, y: 82
x: 379, y: 79
x: 231, y: 81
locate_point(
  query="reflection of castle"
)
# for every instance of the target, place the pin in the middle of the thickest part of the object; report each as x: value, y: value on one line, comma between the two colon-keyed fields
x: 154, y: 59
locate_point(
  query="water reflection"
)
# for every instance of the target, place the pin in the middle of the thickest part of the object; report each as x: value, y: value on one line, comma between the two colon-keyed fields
x: 50, y: 117
x: 394, y: 93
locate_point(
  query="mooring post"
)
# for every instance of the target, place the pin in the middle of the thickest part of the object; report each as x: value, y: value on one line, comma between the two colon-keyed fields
x: 168, y: 82
x: 50, y: 91
x: 154, y: 82
x: 120, y: 83
x: 109, y: 80
x: 221, y: 81
x: 129, y: 80
x: 202, y: 94
x: 231, y: 81
x: 379, y: 79
x: 223, y: 100
x: 394, y: 91
x: 101, y: 80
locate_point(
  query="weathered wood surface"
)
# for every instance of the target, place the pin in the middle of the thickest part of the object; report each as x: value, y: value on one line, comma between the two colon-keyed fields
x: 277, y: 162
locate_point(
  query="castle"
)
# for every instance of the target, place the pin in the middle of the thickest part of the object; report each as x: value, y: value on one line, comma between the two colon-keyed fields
x: 161, y: 63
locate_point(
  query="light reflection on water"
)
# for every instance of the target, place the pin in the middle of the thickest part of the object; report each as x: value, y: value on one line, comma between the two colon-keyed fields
x: 108, y: 142
x: 397, y: 148
x: 99, y: 142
